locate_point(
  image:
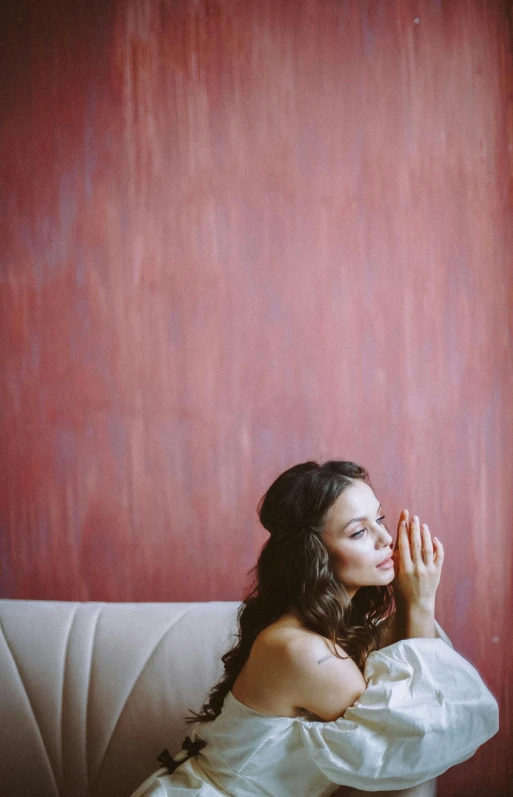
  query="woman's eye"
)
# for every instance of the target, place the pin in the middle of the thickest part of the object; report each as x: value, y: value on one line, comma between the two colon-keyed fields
x: 359, y: 533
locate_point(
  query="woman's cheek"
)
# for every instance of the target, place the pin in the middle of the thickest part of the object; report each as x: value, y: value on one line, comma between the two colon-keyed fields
x: 360, y: 560
x: 350, y: 560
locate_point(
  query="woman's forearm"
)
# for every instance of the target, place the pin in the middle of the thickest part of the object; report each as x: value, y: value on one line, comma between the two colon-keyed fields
x: 409, y: 622
x: 420, y: 622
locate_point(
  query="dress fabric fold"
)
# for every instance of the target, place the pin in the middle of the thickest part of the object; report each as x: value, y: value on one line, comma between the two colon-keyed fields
x: 425, y: 709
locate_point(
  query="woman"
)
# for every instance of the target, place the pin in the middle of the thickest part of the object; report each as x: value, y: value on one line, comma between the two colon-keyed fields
x: 327, y: 685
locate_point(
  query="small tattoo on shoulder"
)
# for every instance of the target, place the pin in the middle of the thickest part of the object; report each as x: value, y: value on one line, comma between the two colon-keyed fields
x: 324, y: 658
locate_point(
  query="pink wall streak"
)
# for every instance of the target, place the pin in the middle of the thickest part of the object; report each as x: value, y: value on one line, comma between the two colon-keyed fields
x: 239, y: 235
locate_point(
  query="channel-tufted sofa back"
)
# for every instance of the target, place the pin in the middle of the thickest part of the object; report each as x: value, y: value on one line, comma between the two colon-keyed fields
x: 90, y: 693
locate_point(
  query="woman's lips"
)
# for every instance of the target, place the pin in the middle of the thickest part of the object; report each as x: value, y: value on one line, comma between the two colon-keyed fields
x: 386, y: 564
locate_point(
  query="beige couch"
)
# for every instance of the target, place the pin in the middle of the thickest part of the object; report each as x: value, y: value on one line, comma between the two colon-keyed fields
x: 90, y: 693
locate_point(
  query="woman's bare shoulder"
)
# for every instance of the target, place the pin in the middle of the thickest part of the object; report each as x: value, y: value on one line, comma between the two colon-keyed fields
x: 307, y: 669
x: 288, y: 640
x: 285, y: 636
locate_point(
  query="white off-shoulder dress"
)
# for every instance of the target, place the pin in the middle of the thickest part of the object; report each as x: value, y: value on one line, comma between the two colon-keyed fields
x: 424, y: 710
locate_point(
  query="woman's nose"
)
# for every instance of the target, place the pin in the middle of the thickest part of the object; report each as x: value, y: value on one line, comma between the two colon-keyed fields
x: 386, y: 536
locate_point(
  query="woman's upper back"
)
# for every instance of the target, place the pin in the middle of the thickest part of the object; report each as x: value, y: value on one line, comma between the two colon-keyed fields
x: 291, y: 670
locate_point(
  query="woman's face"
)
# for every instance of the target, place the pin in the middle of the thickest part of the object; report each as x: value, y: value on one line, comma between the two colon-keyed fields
x: 357, y: 539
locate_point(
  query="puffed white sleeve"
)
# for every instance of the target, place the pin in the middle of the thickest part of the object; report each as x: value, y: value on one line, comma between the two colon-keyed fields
x: 425, y: 709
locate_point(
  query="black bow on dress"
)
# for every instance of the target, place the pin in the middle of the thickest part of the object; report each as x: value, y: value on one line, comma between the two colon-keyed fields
x: 189, y: 748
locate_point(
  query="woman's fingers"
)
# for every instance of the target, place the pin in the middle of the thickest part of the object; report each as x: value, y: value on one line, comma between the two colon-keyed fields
x: 439, y: 551
x: 427, y: 544
x: 404, y: 547
x: 416, y: 579
x: 416, y: 540
x: 403, y: 517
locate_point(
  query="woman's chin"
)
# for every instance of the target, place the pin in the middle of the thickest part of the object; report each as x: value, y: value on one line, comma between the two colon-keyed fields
x: 387, y: 575
x: 384, y: 577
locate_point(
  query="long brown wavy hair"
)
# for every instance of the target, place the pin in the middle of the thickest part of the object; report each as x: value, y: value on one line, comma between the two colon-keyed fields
x: 294, y: 571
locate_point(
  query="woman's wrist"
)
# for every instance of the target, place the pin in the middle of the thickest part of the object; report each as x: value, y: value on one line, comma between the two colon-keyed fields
x: 420, y: 621
x: 403, y: 607
x: 412, y: 620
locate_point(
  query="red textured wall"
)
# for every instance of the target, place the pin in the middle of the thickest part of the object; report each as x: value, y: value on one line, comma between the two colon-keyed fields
x: 238, y: 235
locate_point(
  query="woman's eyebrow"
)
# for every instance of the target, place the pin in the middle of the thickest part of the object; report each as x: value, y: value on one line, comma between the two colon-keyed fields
x: 359, y: 519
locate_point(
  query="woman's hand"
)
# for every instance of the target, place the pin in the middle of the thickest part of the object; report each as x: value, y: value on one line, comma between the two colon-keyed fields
x: 418, y: 560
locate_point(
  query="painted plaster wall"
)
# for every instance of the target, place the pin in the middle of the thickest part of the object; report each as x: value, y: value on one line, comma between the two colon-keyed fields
x: 236, y: 236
